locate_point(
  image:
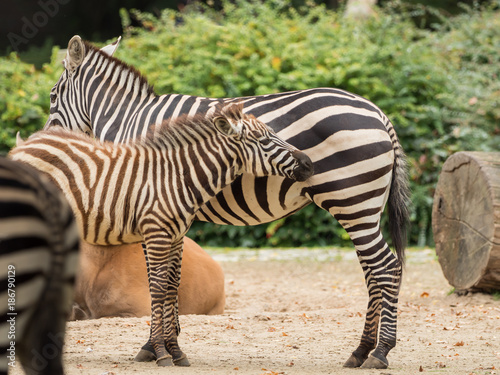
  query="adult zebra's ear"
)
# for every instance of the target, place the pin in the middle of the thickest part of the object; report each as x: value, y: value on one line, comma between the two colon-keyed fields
x: 111, y: 48
x: 226, y: 127
x: 74, y: 54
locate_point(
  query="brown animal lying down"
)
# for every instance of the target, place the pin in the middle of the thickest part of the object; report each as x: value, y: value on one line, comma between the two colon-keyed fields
x: 112, y: 281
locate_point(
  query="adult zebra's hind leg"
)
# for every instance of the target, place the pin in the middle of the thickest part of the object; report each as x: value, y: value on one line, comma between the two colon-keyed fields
x: 382, y: 270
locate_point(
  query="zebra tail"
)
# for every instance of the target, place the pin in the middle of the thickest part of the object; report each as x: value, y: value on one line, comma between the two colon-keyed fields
x: 399, y: 204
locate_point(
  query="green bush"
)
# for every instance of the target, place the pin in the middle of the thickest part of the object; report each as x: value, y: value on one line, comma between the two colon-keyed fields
x: 440, y: 88
x: 24, y: 97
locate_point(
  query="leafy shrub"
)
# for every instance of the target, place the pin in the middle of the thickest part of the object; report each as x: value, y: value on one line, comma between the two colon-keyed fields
x: 440, y: 88
x: 24, y: 97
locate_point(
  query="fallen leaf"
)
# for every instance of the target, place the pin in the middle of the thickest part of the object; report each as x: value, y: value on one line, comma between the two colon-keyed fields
x: 271, y: 329
x: 460, y: 343
x: 420, y: 369
x: 424, y: 295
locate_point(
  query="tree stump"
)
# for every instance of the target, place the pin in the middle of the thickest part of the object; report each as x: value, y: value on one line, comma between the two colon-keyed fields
x: 466, y: 220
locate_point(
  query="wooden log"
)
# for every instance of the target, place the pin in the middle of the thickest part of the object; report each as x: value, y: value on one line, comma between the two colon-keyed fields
x: 466, y: 220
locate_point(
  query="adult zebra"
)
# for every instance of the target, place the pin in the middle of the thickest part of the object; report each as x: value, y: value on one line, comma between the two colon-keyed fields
x: 38, y: 260
x: 149, y: 191
x: 358, y: 161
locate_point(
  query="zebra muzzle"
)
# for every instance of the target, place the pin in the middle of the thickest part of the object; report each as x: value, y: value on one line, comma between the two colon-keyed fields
x: 304, y: 168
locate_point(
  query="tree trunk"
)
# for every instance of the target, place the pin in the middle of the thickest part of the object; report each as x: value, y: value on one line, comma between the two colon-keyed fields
x: 466, y: 220
x: 360, y: 9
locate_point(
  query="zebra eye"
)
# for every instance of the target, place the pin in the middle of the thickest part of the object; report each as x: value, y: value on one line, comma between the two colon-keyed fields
x: 261, y: 138
x: 221, y: 122
x: 224, y: 126
x: 53, y: 98
x: 257, y: 135
x: 265, y: 141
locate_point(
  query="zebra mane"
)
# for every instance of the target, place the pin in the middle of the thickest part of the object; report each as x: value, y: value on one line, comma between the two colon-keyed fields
x: 169, y: 133
x: 173, y: 132
x: 119, y: 64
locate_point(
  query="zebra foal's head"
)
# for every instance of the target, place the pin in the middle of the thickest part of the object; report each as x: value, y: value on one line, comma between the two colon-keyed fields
x: 68, y: 101
x: 260, y: 151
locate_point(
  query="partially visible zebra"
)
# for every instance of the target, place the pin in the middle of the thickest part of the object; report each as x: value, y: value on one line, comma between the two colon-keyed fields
x: 150, y: 191
x: 358, y: 161
x: 38, y: 260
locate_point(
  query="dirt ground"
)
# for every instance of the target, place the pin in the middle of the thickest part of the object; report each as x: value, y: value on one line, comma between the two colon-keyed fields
x: 305, y: 316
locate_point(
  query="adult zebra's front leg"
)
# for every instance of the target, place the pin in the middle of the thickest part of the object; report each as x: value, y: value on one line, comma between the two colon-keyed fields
x: 163, y: 257
x: 382, y: 272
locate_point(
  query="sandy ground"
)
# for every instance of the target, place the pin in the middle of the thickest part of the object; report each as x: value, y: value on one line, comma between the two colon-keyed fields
x: 305, y: 316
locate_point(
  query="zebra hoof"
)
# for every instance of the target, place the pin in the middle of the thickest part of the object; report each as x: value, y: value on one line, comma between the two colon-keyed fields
x: 182, y: 361
x: 165, y: 361
x: 374, y: 362
x: 144, y: 356
x: 353, y: 362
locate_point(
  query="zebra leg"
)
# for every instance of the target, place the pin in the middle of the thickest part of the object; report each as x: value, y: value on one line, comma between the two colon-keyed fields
x: 160, y: 252
x: 389, y: 284
x: 171, y: 323
x: 157, y: 248
x: 41, y: 347
x: 147, y: 352
x: 382, y: 272
x: 369, y: 336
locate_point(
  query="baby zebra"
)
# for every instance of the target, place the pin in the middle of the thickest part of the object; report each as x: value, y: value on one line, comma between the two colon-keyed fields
x: 150, y: 191
x: 38, y: 260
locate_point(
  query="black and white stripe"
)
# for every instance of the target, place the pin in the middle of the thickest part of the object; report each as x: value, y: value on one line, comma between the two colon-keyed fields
x: 38, y: 259
x: 359, y: 164
x: 150, y: 191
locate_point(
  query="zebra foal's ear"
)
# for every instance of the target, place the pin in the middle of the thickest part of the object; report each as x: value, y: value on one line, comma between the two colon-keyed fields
x: 19, y: 140
x: 74, y: 54
x: 225, y: 126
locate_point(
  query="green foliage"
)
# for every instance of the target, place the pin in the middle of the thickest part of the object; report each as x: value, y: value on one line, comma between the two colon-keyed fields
x: 440, y: 88
x: 496, y: 295
x: 24, y: 98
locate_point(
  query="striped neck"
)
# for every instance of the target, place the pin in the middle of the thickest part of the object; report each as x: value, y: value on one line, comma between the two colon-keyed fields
x: 113, y: 89
x: 186, y: 137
